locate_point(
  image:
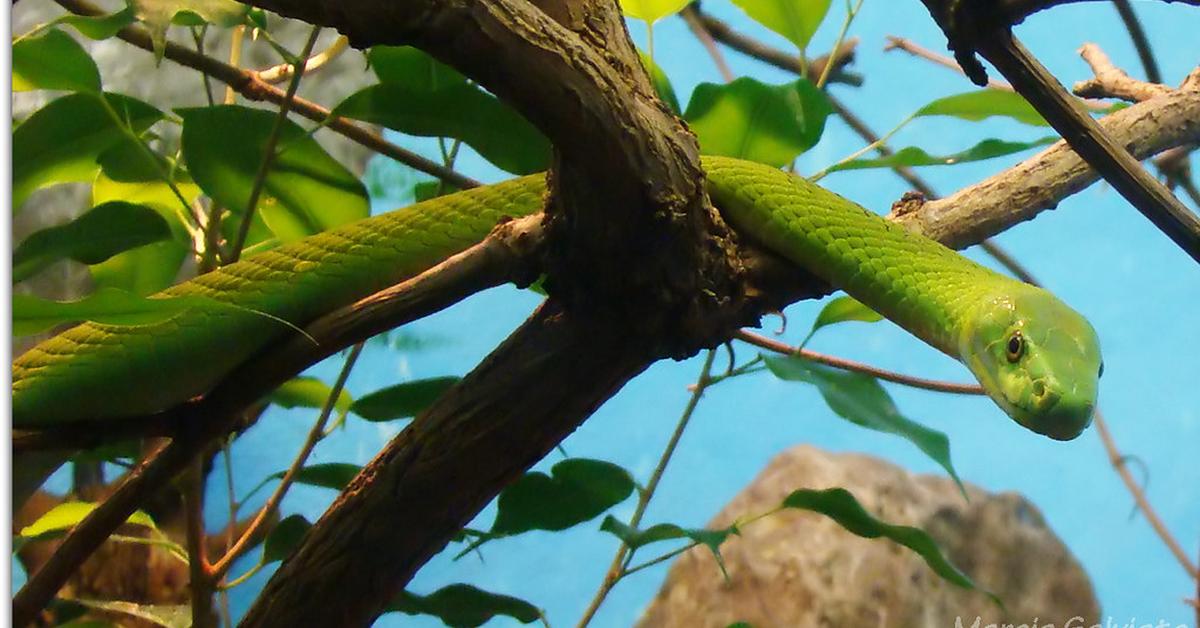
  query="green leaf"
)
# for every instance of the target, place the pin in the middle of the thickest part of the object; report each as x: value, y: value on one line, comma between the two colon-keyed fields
x: 309, y: 392
x: 770, y: 124
x: 305, y: 192
x: 53, y: 61
x: 982, y: 104
x: 839, y: 505
x: 334, y: 475
x: 67, y: 515
x: 913, y: 156
x: 143, y: 270
x: 110, y: 306
x: 460, y: 111
x: 153, y: 267
x: 634, y: 538
x: 284, y: 538
x: 840, y: 310
x: 426, y: 190
x: 165, y: 615
x: 402, y: 400
x: 796, y: 20
x: 60, y: 142
x: 411, y: 68
x: 464, y: 606
x: 577, y: 490
x: 100, y: 27
x: 652, y: 10
x: 861, y: 400
x: 662, y: 83
x: 157, y: 15
x: 97, y: 235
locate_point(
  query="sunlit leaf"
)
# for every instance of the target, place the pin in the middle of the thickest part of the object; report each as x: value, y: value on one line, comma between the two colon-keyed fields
x: 839, y: 505
x: 309, y: 392
x: 67, y: 515
x: 402, y: 400
x: 652, y: 10
x: 31, y: 315
x: 912, y: 156
x: 100, y: 27
x: 53, y: 61
x: 464, y: 606
x: 796, y: 20
x: 284, y: 538
x: 157, y: 15
x: 984, y: 103
x: 770, y: 124
x: 60, y: 142
x: 95, y: 236
x: 459, y: 111
x: 412, y: 68
x: 334, y: 475
x: 840, y: 310
x: 305, y: 192
x: 861, y: 400
x: 634, y: 538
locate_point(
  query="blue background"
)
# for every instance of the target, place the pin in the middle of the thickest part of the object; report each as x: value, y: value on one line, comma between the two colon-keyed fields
x: 1095, y: 251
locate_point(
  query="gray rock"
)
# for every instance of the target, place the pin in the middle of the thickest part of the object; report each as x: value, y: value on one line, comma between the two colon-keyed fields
x: 802, y: 569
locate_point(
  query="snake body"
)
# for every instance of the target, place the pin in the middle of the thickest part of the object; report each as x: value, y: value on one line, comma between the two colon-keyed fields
x: 1047, y: 383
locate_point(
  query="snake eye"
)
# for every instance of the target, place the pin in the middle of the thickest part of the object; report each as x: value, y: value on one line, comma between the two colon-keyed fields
x: 1015, y: 348
x: 1101, y: 373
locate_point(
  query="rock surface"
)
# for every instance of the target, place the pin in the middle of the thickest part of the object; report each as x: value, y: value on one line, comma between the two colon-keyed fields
x: 801, y: 569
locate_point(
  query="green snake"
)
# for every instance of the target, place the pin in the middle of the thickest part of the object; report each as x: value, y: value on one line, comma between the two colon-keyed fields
x: 1037, y: 358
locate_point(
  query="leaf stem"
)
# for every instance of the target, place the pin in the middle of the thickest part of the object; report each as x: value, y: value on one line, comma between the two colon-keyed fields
x: 269, y: 151
x: 314, y: 436
x: 621, y: 560
x: 851, y: 12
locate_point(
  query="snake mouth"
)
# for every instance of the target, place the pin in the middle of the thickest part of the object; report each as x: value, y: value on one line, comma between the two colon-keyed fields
x: 1065, y: 420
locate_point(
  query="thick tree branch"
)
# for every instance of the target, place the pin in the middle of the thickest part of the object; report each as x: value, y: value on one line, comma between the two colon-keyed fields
x: 1046, y: 179
x: 502, y: 257
x: 980, y: 28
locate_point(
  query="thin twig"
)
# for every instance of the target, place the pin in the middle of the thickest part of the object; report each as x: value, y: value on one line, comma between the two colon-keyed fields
x: 919, y: 51
x: 283, y: 71
x: 832, y: 60
x: 1111, y: 81
x: 857, y: 367
x: 1037, y: 85
x: 247, y: 84
x: 720, y: 31
x: 503, y: 256
x: 1118, y: 462
x: 1140, y: 42
x: 268, y: 157
x: 705, y: 38
x: 221, y: 567
x: 621, y: 558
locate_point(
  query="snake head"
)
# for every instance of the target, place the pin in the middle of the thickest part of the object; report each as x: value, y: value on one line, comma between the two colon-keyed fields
x: 1038, y: 359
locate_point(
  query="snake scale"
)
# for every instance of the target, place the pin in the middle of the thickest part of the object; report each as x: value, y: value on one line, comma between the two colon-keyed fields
x: 1037, y: 359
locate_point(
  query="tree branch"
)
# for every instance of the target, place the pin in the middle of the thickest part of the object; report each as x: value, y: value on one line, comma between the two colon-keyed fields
x: 250, y: 86
x: 980, y: 28
x: 1140, y: 42
x: 504, y: 256
x: 1046, y: 179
